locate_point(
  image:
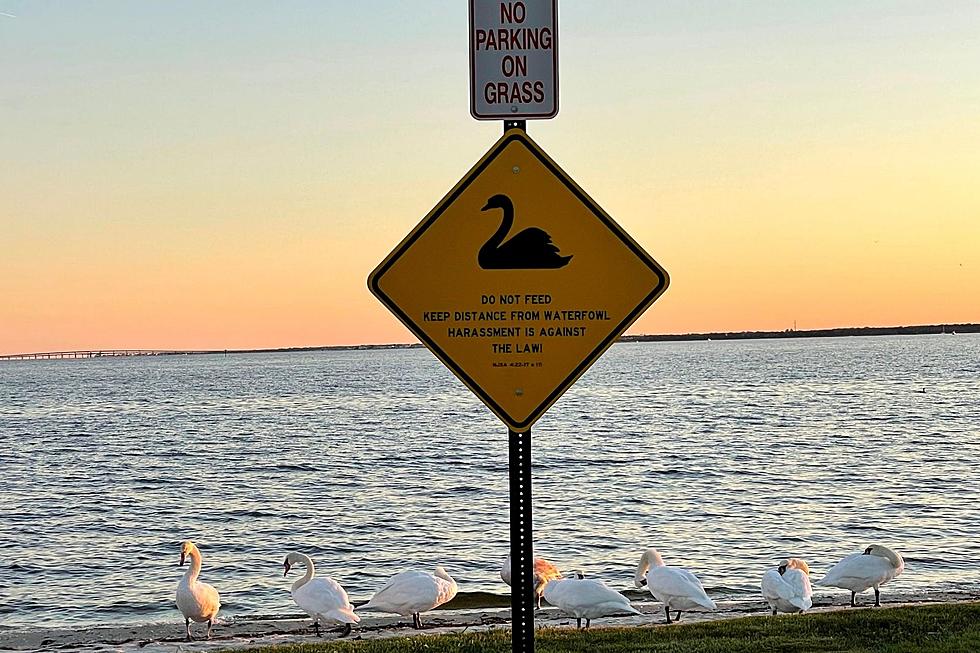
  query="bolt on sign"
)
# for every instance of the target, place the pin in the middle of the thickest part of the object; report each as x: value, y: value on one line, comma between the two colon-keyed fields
x: 513, y: 59
x: 517, y: 280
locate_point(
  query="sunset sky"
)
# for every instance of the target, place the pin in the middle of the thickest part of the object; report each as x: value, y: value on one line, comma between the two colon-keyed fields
x: 226, y: 174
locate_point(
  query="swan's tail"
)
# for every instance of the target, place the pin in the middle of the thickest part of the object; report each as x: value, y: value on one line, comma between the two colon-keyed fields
x: 706, y: 602
x: 343, y: 616
x: 828, y: 581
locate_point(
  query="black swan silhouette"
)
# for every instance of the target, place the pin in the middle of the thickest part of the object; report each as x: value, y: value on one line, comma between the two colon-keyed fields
x: 529, y: 249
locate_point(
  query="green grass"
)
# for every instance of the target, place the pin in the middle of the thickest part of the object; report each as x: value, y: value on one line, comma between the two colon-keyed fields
x: 922, y: 629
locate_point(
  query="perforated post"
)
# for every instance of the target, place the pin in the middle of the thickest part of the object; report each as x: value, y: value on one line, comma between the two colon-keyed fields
x: 515, y: 124
x: 521, y: 547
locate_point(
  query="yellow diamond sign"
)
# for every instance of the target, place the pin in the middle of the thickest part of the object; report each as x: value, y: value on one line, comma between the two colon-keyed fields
x: 517, y: 280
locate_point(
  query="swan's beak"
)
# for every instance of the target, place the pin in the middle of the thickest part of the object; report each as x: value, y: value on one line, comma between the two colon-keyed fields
x: 486, y: 207
x: 181, y: 559
x: 285, y: 568
x: 643, y: 582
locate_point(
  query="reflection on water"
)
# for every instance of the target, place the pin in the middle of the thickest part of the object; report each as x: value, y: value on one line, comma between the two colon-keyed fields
x: 724, y: 455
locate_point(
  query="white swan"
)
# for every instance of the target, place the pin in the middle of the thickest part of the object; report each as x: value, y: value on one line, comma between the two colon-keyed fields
x: 322, y: 597
x: 787, y: 587
x: 586, y: 598
x: 857, y: 572
x: 544, y: 572
x: 676, y: 588
x: 413, y: 592
x: 195, y: 600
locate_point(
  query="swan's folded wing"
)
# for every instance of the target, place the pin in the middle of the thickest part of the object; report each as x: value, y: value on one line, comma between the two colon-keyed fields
x: 399, y: 579
x: 405, y: 593
x: 322, y: 595
x: 445, y: 591
x: 802, y: 592
x: 775, y: 587
x: 859, y: 569
x: 208, y: 599
x: 596, y: 593
x: 691, y: 578
x: 841, y: 570
x: 576, y: 597
x: 580, y: 596
x: 554, y: 591
x: 419, y: 592
x: 671, y: 581
x: 800, y: 583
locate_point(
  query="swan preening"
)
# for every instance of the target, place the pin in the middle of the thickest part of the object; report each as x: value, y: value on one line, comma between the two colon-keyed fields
x: 197, y: 601
x: 321, y: 597
x: 586, y: 598
x: 676, y: 588
x: 873, y: 567
x: 413, y: 592
x: 544, y: 572
x: 529, y: 249
x: 787, y: 587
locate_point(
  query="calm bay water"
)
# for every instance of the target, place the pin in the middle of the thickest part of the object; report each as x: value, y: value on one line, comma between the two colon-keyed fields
x: 726, y: 456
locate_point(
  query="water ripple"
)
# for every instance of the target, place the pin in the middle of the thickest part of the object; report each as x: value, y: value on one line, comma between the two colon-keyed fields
x: 727, y: 456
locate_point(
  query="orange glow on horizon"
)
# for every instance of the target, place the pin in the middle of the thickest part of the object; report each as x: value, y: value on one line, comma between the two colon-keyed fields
x: 783, y: 166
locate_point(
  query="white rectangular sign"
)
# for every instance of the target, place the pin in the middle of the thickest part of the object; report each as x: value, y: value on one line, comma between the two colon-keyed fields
x: 513, y: 59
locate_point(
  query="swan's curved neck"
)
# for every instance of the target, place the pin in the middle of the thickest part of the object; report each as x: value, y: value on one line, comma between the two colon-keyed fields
x: 308, y: 576
x: 505, y: 225
x: 893, y: 557
x: 441, y: 573
x: 653, y: 558
x: 650, y: 558
x: 195, y: 569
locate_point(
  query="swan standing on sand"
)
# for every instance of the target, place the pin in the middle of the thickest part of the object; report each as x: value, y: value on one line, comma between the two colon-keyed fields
x: 322, y: 597
x: 413, y: 592
x: 195, y: 600
x: 857, y: 572
x: 586, y: 598
x: 676, y: 588
x: 787, y: 587
x: 544, y: 572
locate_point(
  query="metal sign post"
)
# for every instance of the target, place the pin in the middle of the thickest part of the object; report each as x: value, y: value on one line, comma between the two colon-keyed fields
x: 522, y: 599
x: 521, y: 532
x: 521, y: 544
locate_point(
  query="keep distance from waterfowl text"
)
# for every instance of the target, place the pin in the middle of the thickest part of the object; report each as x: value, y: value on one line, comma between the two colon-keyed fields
x: 523, y: 325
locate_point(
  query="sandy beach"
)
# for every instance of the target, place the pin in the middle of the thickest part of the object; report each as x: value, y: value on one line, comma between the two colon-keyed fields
x: 245, y: 633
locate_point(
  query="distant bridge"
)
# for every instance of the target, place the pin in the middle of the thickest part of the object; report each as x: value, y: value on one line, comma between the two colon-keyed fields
x: 98, y: 353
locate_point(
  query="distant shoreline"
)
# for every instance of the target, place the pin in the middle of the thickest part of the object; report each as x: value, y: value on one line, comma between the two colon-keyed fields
x: 919, y: 330
x: 925, y: 329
